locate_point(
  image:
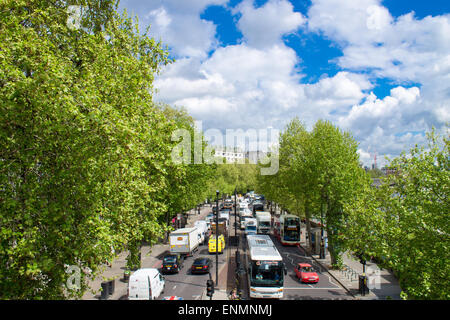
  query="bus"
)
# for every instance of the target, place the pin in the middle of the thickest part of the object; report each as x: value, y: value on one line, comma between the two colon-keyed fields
x: 266, y: 269
x: 287, y: 229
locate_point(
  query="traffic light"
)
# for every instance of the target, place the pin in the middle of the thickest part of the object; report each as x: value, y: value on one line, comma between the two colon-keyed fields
x: 209, y: 288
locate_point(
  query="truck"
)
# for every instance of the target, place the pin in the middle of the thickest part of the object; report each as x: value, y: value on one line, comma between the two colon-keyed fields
x: 222, y: 227
x: 263, y: 222
x: 250, y: 226
x: 184, y: 241
x: 202, y: 228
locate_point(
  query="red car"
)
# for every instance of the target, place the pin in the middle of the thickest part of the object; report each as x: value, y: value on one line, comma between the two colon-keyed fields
x: 306, y: 273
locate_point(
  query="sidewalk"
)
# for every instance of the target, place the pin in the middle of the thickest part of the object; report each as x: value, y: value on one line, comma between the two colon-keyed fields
x: 151, y: 257
x: 381, y: 282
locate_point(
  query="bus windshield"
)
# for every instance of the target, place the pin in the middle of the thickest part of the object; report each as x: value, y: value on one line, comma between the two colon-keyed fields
x: 266, y: 274
x: 291, y: 235
x: 264, y: 223
x: 251, y: 228
x: 291, y: 222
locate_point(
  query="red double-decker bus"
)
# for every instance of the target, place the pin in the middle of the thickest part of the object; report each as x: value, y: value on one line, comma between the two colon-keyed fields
x: 287, y: 229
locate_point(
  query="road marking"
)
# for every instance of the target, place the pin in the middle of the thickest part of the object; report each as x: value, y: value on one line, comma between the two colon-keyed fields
x: 299, y: 288
x: 196, y: 297
x: 174, y: 287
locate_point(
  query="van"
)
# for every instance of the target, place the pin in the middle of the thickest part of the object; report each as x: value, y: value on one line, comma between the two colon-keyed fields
x: 145, y: 284
x: 212, y: 244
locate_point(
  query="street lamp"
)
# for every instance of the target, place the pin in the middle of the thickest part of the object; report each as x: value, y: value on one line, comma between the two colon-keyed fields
x: 217, y: 237
x: 235, y: 218
x: 322, y: 244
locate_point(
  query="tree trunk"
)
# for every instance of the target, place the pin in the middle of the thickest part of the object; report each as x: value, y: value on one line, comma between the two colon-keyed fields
x: 333, y: 254
x: 308, y: 226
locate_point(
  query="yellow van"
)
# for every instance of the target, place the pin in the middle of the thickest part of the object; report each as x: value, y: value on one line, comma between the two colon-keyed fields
x: 212, y: 244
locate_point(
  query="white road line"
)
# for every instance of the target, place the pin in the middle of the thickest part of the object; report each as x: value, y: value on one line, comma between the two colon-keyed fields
x: 174, y: 287
x: 298, y: 288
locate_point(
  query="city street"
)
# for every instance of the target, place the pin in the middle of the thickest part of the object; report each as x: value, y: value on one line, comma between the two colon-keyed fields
x: 326, y: 288
x: 191, y: 286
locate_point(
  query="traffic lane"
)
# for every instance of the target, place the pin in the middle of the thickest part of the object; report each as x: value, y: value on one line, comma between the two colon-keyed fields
x: 326, y: 288
x: 187, y: 285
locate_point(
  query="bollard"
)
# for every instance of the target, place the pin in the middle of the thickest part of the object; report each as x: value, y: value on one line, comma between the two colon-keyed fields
x: 363, y: 289
x: 111, y: 286
x: 105, y: 291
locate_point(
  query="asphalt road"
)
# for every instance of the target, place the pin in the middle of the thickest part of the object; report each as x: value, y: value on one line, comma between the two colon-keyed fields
x: 325, y: 289
x: 191, y: 286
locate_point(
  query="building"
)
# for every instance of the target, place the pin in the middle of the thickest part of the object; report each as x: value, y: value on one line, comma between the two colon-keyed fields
x: 231, y: 155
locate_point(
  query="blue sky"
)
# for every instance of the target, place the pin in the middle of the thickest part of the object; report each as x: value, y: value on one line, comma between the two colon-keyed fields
x: 379, y: 69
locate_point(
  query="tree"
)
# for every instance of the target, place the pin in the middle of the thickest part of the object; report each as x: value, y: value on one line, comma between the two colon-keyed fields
x: 404, y: 222
x: 337, y: 177
x: 83, y: 155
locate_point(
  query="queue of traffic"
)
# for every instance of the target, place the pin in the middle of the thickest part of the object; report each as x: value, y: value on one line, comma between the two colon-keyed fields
x: 265, y: 266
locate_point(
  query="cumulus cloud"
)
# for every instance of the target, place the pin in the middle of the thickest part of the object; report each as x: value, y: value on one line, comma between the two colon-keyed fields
x: 266, y: 25
x: 259, y: 82
x: 178, y: 24
x: 411, y: 52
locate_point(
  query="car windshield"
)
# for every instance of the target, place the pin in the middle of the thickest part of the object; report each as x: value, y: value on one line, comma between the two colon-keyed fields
x: 170, y: 259
x: 307, y: 269
x: 200, y: 262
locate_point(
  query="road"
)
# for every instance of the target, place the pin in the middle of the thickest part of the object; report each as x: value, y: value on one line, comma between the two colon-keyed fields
x: 192, y: 286
x: 326, y: 288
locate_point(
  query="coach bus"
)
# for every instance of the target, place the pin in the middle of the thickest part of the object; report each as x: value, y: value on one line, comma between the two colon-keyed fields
x: 287, y: 229
x: 266, y: 269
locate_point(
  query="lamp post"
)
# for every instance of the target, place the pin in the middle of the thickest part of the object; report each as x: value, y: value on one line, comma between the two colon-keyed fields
x: 235, y: 218
x: 217, y: 237
x: 322, y: 244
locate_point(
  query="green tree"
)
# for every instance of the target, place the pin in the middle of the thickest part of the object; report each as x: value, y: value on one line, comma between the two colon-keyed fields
x: 404, y: 223
x: 83, y: 153
x: 337, y: 177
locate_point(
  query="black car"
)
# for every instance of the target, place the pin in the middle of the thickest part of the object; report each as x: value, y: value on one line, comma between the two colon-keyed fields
x: 201, y: 265
x: 172, y: 263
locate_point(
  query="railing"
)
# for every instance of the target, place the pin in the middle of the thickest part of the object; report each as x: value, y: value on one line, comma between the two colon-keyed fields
x: 349, y: 273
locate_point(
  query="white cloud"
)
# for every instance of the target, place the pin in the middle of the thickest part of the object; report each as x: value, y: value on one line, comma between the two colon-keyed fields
x: 259, y: 82
x: 178, y: 24
x: 405, y: 50
x: 264, y: 26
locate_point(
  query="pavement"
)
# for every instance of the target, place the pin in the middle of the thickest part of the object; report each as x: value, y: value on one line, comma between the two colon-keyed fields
x: 382, y: 283
x: 151, y: 257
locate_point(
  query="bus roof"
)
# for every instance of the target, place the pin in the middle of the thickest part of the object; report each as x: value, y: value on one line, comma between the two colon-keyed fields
x: 261, y: 247
x: 290, y: 216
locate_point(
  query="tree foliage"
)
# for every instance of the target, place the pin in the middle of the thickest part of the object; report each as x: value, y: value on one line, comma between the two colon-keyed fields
x: 404, y: 223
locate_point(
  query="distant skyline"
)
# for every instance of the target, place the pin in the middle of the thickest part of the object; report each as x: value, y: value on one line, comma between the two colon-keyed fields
x: 379, y: 69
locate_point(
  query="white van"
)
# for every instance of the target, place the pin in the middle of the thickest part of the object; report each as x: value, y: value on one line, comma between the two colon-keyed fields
x: 202, y: 227
x: 145, y: 284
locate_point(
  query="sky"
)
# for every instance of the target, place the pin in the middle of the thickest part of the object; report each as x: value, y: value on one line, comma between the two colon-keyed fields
x: 378, y: 69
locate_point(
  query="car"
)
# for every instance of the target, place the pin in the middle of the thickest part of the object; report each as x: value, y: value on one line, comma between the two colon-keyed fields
x: 201, y: 265
x: 172, y: 263
x: 305, y: 273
